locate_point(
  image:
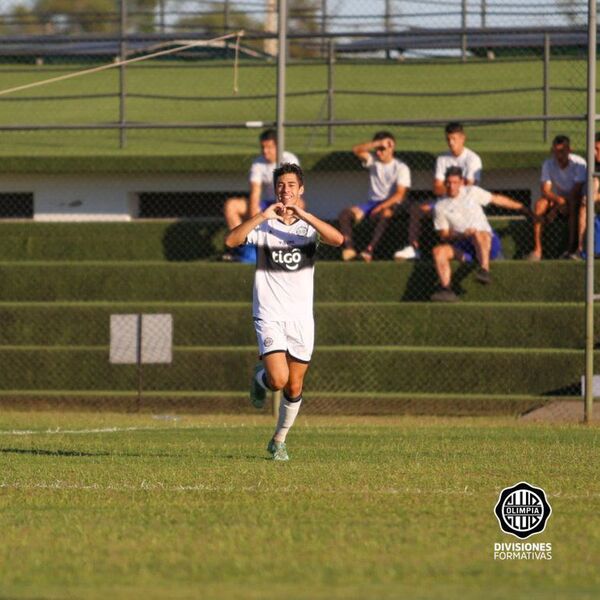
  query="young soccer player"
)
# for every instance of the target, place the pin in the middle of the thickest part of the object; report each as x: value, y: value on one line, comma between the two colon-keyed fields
x: 286, y: 236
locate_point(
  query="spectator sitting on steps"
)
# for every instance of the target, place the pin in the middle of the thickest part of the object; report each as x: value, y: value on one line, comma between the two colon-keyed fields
x: 562, y: 181
x: 458, y: 155
x: 389, y: 180
x: 464, y: 230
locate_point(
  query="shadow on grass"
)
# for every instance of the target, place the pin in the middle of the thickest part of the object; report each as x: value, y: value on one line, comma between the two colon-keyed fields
x: 40, y: 452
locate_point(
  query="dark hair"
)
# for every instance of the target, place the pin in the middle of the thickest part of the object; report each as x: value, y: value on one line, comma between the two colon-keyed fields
x: 453, y: 171
x: 597, y: 136
x: 285, y: 168
x: 268, y: 134
x: 559, y: 140
x: 383, y: 135
x: 454, y: 127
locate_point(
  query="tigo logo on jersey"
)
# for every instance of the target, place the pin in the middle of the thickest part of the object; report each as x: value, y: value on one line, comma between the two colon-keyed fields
x: 290, y: 259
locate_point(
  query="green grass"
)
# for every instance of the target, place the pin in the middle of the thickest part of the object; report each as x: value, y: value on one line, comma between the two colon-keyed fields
x: 366, y: 508
x: 212, y: 80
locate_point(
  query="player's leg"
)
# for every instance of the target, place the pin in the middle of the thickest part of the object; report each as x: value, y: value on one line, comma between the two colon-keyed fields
x: 540, y: 209
x: 235, y: 211
x: 272, y: 372
x: 383, y: 220
x: 573, y: 205
x: 300, y: 337
x: 347, y: 218
x: 442, y: 255
x: 482, y: 240
x: 416, y: 212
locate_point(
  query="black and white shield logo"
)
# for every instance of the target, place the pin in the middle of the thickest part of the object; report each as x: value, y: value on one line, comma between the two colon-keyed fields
x: 522, y: 510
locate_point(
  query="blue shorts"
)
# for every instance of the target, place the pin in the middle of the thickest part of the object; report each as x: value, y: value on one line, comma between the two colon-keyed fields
x: 368, y: 206
x: 469, y: 252
x: 264, y: 204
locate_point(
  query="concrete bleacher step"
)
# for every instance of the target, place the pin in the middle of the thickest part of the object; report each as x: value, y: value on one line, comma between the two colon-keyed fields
x: 356, y: 369
x: 202, y: 239
x: 547, y: 281
x: 485, y: 324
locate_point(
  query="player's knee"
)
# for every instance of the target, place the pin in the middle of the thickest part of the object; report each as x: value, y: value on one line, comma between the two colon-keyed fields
x: 293, y: 390
x: 440, y: 252
x: 277, y: 381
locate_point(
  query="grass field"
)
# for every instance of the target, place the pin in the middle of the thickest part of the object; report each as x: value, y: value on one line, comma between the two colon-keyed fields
x: 401, y: 507
x: 150, y: 89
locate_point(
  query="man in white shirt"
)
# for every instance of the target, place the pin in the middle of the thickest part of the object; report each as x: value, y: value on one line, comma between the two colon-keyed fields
x: 464, y: 230
x: 260, y: 178
x: 389, y: 180
x: 286, y: 236
x: 458, y: 155
x: 562, y: 181
x: 596, y: 198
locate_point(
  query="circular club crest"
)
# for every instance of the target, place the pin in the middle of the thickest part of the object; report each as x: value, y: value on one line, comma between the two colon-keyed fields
x: 302, y: 230
x: 522, y: 510
x: 268, y: 342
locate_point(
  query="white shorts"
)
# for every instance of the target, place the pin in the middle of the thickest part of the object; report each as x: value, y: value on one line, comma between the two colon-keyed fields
x: 297, y: 338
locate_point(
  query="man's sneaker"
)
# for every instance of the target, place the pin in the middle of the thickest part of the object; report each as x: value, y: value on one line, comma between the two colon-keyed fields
x: 483, y: 276
x: 366, y: 256
x: 277, y: 450
x: 407, y: 253
x: 348, y: 254
x: 258, y: 394
x: 444, y: 295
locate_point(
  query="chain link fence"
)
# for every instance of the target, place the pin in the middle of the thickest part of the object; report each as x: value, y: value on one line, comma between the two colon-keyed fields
x: 114, y: 183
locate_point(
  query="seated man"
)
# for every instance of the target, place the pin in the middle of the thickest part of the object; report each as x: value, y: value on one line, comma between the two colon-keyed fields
x: 464, y: 230
x: 389, y: 180
x: 458, y: 155
x: 262, y: 192
x: 596, y: 198
x: 562, y: 181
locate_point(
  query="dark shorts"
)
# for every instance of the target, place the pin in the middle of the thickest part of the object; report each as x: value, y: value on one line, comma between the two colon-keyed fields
x: 468, y: 249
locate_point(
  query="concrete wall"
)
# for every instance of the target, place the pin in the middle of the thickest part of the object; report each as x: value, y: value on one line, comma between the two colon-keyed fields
x: 115, y: 197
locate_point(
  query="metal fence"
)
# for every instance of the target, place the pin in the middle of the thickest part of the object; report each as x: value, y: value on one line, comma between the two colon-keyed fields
x: 164, y: 142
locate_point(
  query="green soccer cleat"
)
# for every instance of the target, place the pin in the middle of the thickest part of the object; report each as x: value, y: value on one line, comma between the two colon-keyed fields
x: 258, y: 394
x: 278, y: 450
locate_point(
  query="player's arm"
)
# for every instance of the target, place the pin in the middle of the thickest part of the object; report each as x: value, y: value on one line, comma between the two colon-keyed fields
x: 439, y: 189
x: 328, y: 233
x: 396, y: 198
x: 363, y: 151
x: 506, y: 202
x: 254, y: 199
x: 549, y: 195
x: 237, y: 236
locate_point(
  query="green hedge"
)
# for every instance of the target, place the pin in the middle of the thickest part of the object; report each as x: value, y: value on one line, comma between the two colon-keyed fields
x: 558, y: 281
x: 340, y: 369
x: 230, y: 324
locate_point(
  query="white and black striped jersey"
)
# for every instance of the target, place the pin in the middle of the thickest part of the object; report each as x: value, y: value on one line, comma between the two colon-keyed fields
x: 283, y: 282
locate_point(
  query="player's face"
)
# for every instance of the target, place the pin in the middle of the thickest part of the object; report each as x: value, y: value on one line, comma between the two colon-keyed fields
x: 288, y: 189
x: 385, y: 150
x: 269, y: 150
x: 561, y: 153
x: 453, y: 185
x: 456, y: 142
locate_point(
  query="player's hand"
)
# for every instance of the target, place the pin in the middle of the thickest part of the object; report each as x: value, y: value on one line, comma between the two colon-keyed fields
x: 376, y: 211
x: 470, y: 232
x: 274, y: 210
x: 297, y: 211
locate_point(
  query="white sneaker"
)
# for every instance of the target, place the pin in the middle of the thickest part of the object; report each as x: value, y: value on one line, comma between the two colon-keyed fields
x: 408, y: 253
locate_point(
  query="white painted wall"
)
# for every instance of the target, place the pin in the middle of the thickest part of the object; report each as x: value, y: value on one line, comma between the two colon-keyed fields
x: 115, y: 197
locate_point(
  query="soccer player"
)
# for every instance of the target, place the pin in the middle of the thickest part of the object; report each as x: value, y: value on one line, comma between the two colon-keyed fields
x: 464, y: 230
x: 458, y: 155
x: 260, y: 179
x: 562, y: 181
x: 286, y: 236
x: 389, y: 180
